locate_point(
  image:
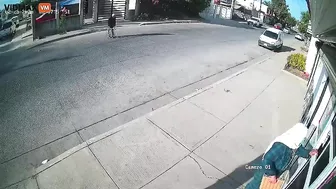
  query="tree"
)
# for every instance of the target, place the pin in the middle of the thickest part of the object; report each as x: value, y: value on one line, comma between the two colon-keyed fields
x: 279, y: 9
x: 291, y: 21
x: 26, y: 2
x: 303, y: 24
x: 267, y: 3
x: 305, y: 17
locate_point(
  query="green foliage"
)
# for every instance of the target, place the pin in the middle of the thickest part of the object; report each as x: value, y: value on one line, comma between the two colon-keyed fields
x: 62, y: 25
x: 291, y: 21
x: 281, y: 13
x: 197, y: 6
x: 297, y: 61
x: 28, y: 2
x: 303, y: 24
x: 302, y: 27
x: 305, y: 17
x: 173, y: 8
x: 267, y: 3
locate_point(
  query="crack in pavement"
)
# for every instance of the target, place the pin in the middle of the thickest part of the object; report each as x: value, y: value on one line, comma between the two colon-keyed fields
x: 201, y: 169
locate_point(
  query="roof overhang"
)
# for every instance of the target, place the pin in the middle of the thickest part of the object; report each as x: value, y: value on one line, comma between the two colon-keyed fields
x: 323, y: 20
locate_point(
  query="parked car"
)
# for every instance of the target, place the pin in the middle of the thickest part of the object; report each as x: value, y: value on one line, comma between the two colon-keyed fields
x: 272, y: 39
x: 278, y: 26
x: 299, y: 37
x: 7, y: 29
x: 16, y: 21
x: 254, y: 22
x: 286, y: 30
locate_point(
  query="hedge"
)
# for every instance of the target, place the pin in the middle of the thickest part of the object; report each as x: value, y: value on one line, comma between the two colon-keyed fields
x: 297, y: 61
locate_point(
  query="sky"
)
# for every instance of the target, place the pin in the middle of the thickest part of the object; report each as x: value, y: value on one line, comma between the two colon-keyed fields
x: 296, y: 7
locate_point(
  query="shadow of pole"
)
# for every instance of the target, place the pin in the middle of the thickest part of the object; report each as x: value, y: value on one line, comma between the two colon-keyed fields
x: 241, y: 175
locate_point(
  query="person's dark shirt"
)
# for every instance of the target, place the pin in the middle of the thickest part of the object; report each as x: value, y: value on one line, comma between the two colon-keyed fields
x: 112, y: 22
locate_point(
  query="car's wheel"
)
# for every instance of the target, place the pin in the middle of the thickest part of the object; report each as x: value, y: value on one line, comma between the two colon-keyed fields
x: 278, y: 49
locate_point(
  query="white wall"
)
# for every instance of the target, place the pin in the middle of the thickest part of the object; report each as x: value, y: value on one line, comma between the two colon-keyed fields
x: 214, y: 11
x: 248, y: 4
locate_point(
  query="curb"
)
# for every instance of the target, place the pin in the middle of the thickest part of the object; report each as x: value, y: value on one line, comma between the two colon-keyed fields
x: 299, y: 78
x: 58, y: 39
x: 169, y: 22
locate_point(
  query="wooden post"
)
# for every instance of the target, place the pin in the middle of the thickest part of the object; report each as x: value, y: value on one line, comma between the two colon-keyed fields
x: 33, y: 25
x: 81, y: 12
x: 57, y: 11
x: 137, y: 7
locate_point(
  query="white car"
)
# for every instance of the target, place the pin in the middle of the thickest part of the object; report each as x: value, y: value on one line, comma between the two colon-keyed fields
x: 254, y: 22
x: 286, y: 30
x: 272, y: 39
x: 7, y: 29
x: 299, y: 37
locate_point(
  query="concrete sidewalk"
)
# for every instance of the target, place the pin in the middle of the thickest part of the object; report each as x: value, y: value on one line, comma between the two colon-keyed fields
x: 203, y: 140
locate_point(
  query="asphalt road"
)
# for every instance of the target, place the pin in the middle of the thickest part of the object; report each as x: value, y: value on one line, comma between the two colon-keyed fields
x: 55, y: 96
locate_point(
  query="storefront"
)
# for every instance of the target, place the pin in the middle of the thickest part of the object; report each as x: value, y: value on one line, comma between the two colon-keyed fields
x: 319, y: 111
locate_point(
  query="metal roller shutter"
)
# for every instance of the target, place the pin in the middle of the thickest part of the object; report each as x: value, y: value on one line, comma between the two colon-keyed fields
x: 104, y: 8
x: 119, y: 8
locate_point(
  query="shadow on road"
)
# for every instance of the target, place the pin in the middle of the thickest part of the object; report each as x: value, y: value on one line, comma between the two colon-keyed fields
x: 7, y: 68
x: 286, y: 49
x: 6, y: 40
x: 144, y: 34
x: 241, y: 175
x: 230, y: 23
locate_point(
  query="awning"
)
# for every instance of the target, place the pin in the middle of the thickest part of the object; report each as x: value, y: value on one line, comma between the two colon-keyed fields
x: 69, y: 2
x: 323, y: 19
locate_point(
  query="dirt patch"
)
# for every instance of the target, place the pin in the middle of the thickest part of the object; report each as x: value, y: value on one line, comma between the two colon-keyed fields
x: 297, y: 72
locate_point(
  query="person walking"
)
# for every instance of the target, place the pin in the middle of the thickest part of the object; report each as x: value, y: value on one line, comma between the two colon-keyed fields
x: 112, y: 22
x: 278, y: 155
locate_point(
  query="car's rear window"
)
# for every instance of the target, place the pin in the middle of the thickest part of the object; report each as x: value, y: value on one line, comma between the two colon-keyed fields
x: 271, y: 34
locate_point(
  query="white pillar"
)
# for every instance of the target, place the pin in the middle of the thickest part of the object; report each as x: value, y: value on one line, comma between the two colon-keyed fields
x: 95, y: 11
x: 81, y: 12
x: 312, y: 52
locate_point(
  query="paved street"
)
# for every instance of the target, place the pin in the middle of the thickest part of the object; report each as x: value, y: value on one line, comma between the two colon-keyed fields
x: 56, y: 96
x: 205, y: 140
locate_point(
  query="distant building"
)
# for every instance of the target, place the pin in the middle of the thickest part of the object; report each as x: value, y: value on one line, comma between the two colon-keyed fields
x: 254, y: 7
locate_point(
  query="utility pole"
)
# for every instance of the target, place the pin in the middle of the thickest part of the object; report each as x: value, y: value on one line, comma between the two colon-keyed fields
x: 252, y: 8
x: 232, y: 8
x: 260, y: 9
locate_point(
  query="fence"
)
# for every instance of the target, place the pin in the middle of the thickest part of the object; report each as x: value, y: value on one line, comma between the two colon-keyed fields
x: 47, y: 28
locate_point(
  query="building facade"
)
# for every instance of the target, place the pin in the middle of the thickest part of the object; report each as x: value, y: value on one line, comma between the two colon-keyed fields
x: 319, y: 111
x: 95, y: 10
